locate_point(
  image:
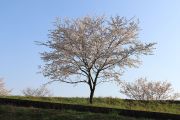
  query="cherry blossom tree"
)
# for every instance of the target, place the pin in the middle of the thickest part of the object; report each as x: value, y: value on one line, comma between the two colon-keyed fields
x: 142, y: 89
x: 3, y: 90
x: 92, y: 50
x: 42, y: 91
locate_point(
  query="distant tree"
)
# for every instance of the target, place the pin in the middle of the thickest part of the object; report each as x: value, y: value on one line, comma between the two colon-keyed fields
x: 37, y: 92
x: 92, y: 50
x: 142, y: 89
x: 3, y: 90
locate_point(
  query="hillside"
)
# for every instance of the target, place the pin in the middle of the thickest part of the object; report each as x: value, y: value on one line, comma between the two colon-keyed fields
x: 8, y: 112
x: 154, y: 106
x: 55, y: 108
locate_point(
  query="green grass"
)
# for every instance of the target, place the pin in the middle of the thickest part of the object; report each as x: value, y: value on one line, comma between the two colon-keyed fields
x: 156, y: 106
x: 8, y: 112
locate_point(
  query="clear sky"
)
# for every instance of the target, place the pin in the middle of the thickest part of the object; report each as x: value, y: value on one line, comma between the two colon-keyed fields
x: 24, y: 21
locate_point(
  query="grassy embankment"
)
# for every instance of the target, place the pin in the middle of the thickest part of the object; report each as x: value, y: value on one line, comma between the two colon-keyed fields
x: 155, y: 106
x: 8, y: 112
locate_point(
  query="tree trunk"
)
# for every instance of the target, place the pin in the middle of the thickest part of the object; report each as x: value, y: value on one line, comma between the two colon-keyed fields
x: 91, y: 96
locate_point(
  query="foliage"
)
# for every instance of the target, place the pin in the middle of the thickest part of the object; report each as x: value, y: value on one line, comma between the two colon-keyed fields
x: 92, y: 50
x: 142, y: 89
x: 3, y: 90
x: 37, y: 92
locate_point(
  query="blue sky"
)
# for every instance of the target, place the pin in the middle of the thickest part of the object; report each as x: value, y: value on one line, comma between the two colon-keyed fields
x: 24, y: 21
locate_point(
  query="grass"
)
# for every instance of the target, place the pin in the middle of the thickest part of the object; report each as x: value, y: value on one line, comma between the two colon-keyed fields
x: 155, y: 106
x: 8, y: 112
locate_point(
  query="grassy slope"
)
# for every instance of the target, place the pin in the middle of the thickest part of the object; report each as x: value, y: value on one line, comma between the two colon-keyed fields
x: 157, y: 106
x: 8, y: 112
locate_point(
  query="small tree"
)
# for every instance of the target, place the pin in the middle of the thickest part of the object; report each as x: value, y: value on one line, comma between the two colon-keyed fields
x: 92, y: 50
x: 3, y: 90
x: 142, y: 89
x: 37, y: 92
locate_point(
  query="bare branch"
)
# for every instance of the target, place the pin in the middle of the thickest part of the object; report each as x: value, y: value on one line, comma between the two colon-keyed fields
x: 70, y: 82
